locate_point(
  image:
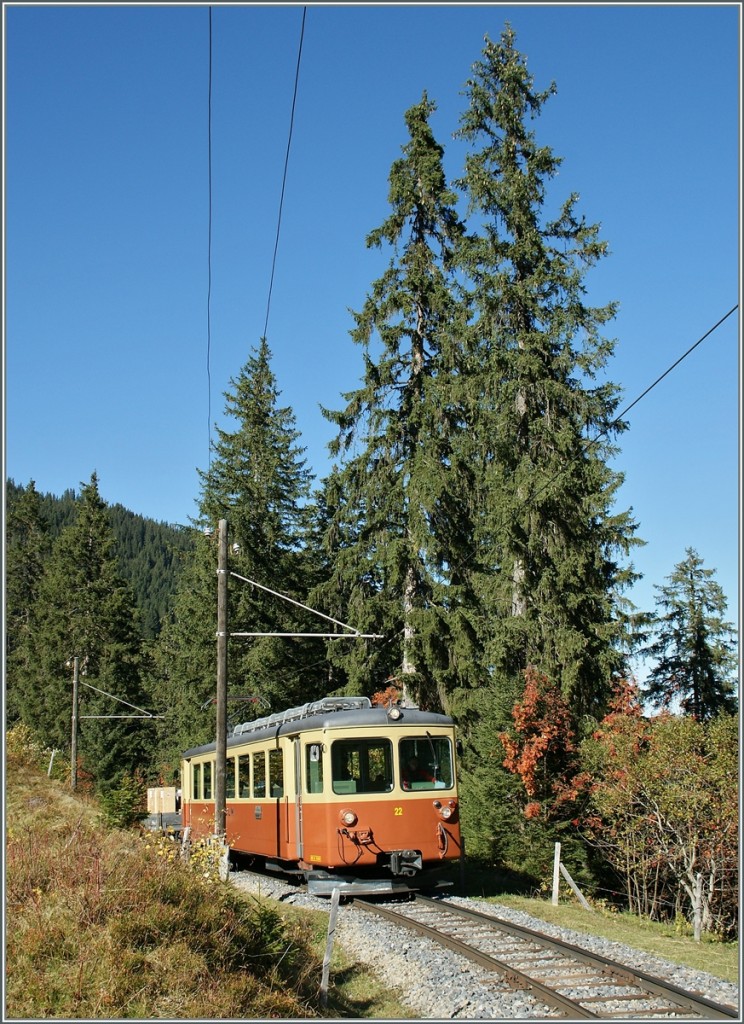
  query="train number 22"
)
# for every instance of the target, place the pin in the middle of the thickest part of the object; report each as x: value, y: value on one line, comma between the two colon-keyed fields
x: 397, y: 811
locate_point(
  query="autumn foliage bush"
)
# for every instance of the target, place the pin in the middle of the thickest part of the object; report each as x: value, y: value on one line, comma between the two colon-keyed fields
x: 663, y: 810
x: 655, y: 798
x: 542, y: 749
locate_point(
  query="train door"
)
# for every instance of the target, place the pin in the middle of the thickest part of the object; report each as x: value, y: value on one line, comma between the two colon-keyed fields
x: 279, y: 807
x: 297, y: 772
x: 262, y: 822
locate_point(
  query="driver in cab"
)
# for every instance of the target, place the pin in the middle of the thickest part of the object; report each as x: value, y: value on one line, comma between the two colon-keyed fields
x: 414, y: 772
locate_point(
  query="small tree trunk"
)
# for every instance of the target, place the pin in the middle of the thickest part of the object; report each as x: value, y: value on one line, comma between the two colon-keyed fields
x: 519, y: 602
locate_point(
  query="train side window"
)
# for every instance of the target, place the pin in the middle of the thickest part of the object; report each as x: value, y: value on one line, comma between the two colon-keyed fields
x: 426, y: 762
x: 230, y: 779
x: 207, y: 772
x: 244, y: 776
x: 362, y: 766
x: 276, y: 773
x: 313, y: 768
x: 196, y: 777
x: 259, y: 775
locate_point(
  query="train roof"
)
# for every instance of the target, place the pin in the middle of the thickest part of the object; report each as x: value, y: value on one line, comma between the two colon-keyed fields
x: 329, y: 713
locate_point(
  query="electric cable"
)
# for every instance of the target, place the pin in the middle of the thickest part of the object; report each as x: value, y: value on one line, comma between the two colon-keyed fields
x: 616, y: 421
x: 209, y: 250
x: 284, y: 177
x: 666, y: 372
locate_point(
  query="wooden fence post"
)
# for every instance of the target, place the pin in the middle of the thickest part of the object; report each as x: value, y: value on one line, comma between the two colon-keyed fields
x: 329, y: 946
x: 561, y: 869
x: 556, y: 873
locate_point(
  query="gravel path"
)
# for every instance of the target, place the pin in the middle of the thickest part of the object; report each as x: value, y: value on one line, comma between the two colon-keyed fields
x: 437, y: 984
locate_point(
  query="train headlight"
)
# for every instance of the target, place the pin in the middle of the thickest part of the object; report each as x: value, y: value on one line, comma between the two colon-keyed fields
x: 446, y: 812
x: 348, y: 818
x: 395, y: 714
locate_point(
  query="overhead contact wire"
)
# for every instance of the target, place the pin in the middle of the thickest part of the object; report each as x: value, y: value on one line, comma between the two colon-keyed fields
x: 666, y: 373
x: 209, y: 250
x: 284, y: 177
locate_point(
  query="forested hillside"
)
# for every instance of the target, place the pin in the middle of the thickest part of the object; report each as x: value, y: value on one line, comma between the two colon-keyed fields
x: 150, y: 554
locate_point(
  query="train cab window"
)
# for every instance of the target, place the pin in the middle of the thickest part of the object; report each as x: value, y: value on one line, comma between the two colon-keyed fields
x: 196, y: 779
x: 230, y: 779
x: 276, y: 773
x: 362, y: 766
x: 259, y: 775
x: 207, y: 775
x: 313, y: 768
x: 426, y: 762
x: 244, y: 776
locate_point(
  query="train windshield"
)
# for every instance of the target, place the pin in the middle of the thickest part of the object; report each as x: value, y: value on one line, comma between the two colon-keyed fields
x: 426, y: 762
x: 362, y: 766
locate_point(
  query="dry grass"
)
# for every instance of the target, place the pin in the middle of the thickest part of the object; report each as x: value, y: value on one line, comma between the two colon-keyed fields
x: 99, y: 925
x: 104, y: 923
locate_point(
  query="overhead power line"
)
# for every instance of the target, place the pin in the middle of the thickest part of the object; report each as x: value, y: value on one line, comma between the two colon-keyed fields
x: 353, y: 633
x: 616, y: 421
x: 209, y: 249
x: 284, y: 177
x: 209, y: 217
x: 666, y: 373
x: 626, y: 410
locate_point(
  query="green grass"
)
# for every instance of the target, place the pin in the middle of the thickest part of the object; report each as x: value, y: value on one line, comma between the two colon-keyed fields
x: 354, y: 991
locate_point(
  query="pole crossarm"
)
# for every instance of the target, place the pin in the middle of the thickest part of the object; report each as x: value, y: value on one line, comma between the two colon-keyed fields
x: 145, y: 714
x: 148, y: 715
x: 321, y: 636
x: 353, y: 633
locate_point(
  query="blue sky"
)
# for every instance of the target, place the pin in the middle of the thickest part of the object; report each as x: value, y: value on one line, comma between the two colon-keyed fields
x: 106, y: 203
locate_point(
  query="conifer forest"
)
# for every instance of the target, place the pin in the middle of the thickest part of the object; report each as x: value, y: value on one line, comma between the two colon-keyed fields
x: 470, y: 519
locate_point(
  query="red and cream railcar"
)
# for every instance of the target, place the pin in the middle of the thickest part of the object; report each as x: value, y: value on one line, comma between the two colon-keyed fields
x: 340, y: 792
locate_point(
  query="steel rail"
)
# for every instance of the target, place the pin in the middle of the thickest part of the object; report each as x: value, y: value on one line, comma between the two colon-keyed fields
x: 686, y: 1000
x: 515, y: 978
x: 680, y: 1000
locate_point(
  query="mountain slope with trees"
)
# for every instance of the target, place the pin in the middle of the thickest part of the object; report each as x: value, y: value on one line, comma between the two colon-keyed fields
x: 83, y: 609
x: 150, y: 554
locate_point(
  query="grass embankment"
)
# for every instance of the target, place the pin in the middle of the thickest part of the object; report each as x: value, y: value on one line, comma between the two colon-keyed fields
x: 105, y: 923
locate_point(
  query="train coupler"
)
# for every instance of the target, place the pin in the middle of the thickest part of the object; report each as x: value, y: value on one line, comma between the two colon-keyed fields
x: 405, y: 862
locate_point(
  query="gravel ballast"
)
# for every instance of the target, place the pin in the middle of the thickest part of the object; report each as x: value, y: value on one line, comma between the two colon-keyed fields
x: 436, y: 983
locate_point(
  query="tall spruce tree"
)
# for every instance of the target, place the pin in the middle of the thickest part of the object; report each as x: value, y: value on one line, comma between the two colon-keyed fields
x: 396, y: 501
x: 549, y: 543
x: 694, y: 647
x: 26, y: 548
x: 258, y: 481
x: 85, y: 610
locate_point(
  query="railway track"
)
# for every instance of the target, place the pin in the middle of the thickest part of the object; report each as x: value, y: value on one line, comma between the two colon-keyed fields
x: 572, y: 982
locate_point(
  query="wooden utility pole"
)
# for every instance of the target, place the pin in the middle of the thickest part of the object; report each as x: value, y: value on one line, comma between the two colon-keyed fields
x: 221, y: 723
x: 73, y: 743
